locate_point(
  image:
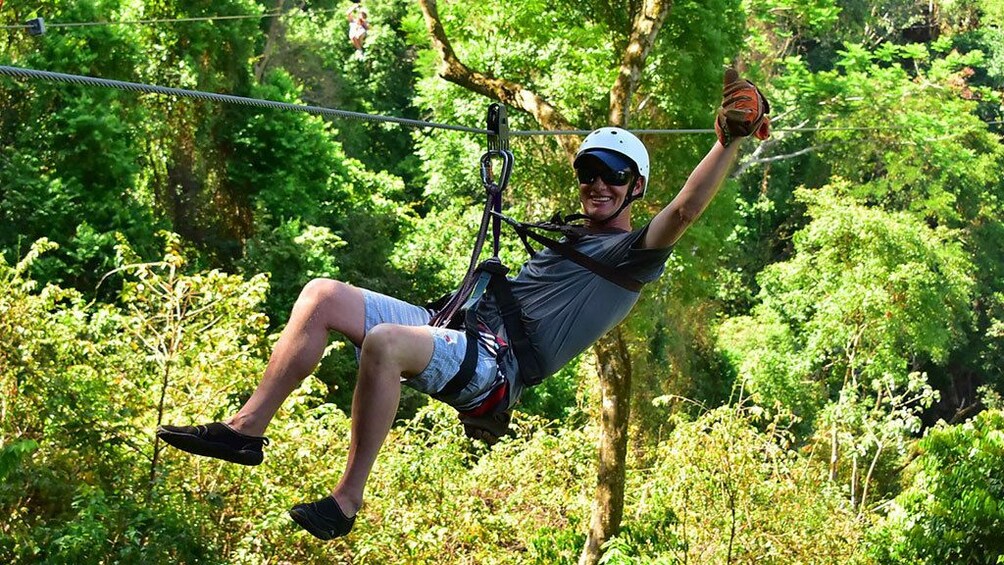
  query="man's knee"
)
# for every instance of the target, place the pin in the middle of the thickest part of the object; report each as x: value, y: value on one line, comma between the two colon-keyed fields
x: 381, y: 340
x: 321, y: 291
x: 338, y: 305
x: 408, y: 347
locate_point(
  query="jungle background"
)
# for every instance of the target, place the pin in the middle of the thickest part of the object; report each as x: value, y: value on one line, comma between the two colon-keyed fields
x: 817, y: 377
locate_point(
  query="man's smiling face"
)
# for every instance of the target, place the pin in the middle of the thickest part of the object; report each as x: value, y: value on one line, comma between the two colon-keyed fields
x: 601, y: 190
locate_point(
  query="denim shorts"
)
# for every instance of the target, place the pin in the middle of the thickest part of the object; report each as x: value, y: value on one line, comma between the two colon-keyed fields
x: 448, y: 349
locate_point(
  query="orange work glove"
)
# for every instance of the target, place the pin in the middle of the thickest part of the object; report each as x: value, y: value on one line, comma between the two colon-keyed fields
x: 743, y: 111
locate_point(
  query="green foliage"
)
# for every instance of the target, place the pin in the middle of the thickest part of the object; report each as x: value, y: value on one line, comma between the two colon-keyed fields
x: 952, y: 508
x: 869, y: 431
x: 71, y: 154
x: 293, y: 254
x: 435, y: 271
x: 844, y: 327
x: 865, y: 294
x: 90, y: 386
x: 288, y: 165
x: 730, y: 487
x: 989, y: 74
x: 555, y: 398
x: 914, y: 144
x: 855, y: 303
x: 382, y: 82
x: 317, y: 213
x: 11, y: 455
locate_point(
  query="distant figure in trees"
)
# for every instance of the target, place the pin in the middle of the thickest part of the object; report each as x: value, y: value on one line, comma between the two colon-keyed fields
x: 358, y: 26
x: 562, y: 306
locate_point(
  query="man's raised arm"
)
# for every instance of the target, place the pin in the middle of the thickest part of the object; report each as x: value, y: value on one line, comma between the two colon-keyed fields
x: 743, y: 112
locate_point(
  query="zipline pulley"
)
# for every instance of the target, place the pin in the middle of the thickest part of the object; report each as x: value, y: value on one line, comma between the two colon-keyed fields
x: 498, y: 128
x: 498, y: 147
x: 36, y: 26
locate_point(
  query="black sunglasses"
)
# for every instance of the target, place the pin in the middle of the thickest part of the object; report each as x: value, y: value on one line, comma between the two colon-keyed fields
x: 611, y: 178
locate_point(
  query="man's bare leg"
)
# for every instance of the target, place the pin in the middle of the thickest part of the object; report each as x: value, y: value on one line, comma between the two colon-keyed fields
x: 389, y: 352
x: 323, y: 306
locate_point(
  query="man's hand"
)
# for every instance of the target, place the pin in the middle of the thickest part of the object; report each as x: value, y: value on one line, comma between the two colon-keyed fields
x: 743, y: 111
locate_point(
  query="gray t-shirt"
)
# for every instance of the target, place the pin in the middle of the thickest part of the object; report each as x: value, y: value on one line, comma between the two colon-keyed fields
x: 566, y: 307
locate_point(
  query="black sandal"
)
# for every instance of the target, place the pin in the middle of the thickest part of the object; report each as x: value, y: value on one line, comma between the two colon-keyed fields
x: 323, y: 518
x: 215, y: 440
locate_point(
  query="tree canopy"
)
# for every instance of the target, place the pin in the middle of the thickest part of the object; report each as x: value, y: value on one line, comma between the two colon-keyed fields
x: 816, y: 376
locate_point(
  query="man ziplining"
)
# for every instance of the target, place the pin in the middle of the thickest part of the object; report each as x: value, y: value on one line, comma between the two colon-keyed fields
x: 563, y: 305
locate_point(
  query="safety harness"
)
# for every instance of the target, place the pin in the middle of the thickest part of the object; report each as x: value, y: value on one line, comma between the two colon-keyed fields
x: 458, y: 310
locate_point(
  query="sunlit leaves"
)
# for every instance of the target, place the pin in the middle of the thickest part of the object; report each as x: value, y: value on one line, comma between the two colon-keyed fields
x: 730, y: 486
x: 953, y: 506
x: 864, y: 294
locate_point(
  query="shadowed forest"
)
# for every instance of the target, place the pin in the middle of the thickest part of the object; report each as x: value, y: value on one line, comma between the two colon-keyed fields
x: 816, y: 378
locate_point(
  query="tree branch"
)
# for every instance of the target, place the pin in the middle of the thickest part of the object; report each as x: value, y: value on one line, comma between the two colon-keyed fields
x: 275, y: 29
x: 754, y: 160
x: 505, y: 91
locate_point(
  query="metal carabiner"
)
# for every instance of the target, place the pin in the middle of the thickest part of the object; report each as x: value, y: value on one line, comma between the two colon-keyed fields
x: 487, y: 177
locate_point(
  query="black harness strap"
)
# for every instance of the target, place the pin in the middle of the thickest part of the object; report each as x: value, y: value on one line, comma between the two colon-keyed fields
x: 466, y: 371
x: 490, y: 271
x: 565, y: 250
x: 531, y: 369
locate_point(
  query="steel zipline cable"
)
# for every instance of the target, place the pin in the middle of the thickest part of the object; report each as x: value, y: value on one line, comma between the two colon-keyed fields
x: 22, y: 73
x: 54, y: 25
x: 17, y: 72
x: 525, y: 133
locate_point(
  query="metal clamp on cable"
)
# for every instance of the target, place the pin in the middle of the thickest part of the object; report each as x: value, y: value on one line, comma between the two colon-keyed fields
x: 36, y: 26
x: 498, y: 147
x: 498, y: 128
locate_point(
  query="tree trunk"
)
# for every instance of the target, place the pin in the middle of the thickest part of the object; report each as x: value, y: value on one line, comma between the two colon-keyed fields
x: 644, y: 30
x: 611, y: 352
x: 608, y: 501
x: 275, y: 29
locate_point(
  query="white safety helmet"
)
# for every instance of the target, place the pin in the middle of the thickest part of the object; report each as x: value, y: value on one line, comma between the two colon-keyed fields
x: 604, y: 141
